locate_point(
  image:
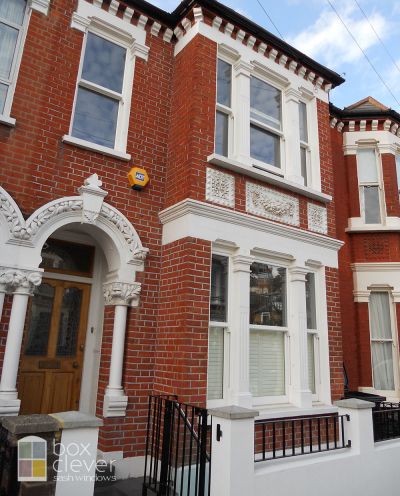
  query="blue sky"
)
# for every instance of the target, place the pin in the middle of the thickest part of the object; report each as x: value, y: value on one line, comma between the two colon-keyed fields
x: 313, y: 27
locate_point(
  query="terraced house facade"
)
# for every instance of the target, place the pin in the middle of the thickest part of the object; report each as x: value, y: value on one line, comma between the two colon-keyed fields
x: 218, y: 282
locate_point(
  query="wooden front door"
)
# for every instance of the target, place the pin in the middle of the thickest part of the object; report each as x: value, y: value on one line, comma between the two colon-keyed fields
x: 52, y: 355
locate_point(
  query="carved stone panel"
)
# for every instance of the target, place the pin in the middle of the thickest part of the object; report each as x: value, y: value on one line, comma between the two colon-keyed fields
x: 317, y: 219
x: 220, y: 188
x: 272, y: 204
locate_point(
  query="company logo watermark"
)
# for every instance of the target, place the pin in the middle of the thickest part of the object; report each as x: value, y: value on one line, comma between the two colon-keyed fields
x: 69, y: 462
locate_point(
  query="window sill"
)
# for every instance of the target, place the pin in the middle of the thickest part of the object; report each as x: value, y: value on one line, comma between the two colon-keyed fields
x: 356, y: 224
x: 286, y: 410
x: 87, y: 145
x: 8, y: 121
x: 267, y: 177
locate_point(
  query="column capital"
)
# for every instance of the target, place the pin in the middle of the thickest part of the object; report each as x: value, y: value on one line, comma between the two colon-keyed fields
x: 243, y: 68
x: 122, y: 293
x: 297, y: 273
x: 291, y: 94
x: 242, y: 263
x: 19, y: 281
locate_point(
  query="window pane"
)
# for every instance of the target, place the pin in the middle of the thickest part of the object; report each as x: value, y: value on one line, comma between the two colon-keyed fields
x: 382, y: 364
x: 265, y: 146
x: 62, y: 256
x: 8, y: 42
x: 311, y: 362
x: 40, y: 321
x: 95, y: 118
x: 267, y: 295
x: 224, y: 83
x: 219, y: 288
x: 303, y: 121
x: 366, y: 166
x: 267, y: 363
x: 221, y: 134
x: 3, y: 96
x: 13, y: 10
x: 104, y: 63
x: 69, y: 322
x: 371, y: 205
x: 265, y: 100
x: 215, y: 363
x: 379, y: 309
x: 303, y: 160
x: 310, y: 301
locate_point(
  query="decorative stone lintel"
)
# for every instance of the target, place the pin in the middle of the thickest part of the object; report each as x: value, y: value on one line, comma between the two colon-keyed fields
x: 21, y: 281
x: 242, y: 263
x: 41, y: 6
x: 122, y: 293
x: 114, y: 406
x: 298, y: 273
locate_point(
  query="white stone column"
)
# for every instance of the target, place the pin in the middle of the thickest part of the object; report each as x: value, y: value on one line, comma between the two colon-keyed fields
x: 292, y: 136
x: 21, y: 283
x: 240, y: 336
x: 301, y: 394
x: 3, y: 291
x: 241, y: 102
x: 120, y: 295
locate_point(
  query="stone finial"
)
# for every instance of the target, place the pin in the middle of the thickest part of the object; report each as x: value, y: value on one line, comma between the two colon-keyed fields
x: 93, y: 181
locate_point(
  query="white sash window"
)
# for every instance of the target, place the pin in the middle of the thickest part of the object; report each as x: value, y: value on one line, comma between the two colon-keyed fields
x: 370, y: 186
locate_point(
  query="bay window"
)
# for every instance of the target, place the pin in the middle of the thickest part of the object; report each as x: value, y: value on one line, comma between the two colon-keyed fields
x: 218, y: 330
x: 12, y: 23
x: 268, y: 330
x: 382, y: 343
x: 369, y: 185
x: 265, y: 122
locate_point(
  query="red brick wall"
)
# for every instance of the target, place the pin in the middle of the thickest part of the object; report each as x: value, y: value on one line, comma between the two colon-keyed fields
x: 182, y: 333
x: 334, y: 333
x: 390, y: 185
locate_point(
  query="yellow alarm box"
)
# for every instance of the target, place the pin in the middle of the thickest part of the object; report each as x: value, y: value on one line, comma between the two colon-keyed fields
x: 138, y: 178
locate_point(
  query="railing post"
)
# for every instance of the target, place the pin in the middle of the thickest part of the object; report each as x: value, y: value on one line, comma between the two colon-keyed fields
x: 359, y: 430
x: 203, y: 452
x: 232, y: 472
x: 166, y: 444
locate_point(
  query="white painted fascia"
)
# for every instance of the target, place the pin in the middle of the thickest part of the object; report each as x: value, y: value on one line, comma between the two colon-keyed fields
x: 385, y: 141
x: 192, y: 218
x: 248, y: 55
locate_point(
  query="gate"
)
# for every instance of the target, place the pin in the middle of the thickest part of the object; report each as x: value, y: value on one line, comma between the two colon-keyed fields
x: 178, y: 449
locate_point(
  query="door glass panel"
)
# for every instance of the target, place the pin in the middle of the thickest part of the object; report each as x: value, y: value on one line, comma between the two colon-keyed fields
x: 40, y: 321
x: 68, y: 328
x: 73, y: 258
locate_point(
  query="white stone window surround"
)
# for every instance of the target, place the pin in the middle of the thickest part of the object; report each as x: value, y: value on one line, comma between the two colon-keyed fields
x: 385, y: 276
x: 295, y: 88
x: 383, y: 142
x: 41, y: 6
x: 91, y: 19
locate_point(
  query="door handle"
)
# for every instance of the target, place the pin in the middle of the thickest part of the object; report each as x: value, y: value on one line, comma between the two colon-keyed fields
x: 75, y: 365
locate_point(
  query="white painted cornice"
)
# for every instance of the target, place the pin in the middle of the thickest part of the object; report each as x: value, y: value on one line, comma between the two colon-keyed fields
x: 213, y: 212
x: 41, y: 6
x: 376, y: 267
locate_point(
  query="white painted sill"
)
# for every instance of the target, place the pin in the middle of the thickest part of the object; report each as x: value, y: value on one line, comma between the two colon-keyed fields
x: 8, y: 121
x: 356, y: 225
x: 87, y: 145
x: 287, y: 410
x: 267, y: 177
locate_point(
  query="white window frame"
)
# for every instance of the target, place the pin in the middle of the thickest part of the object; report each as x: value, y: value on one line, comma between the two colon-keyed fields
x: 305, y: 145
x: 111, y: 34
x: 316, y: 334
x: 225, y: 329
x: 365, y: 184
x: 394, y: 340
x: 228, y: 111
x: 5, y: 117
x: 271, y: 400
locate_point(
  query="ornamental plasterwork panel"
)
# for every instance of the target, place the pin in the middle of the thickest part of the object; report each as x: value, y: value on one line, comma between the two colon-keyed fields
x: 19, y: 280
x: 317, y: 219
x: 272, y: 204
x: 220, y: 188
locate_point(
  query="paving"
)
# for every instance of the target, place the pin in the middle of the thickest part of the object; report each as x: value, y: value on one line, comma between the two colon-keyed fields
x: 128, y: 487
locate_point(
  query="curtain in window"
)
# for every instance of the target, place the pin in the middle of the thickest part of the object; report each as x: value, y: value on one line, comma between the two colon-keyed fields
x: 381, y: 329
x: 215, y: 363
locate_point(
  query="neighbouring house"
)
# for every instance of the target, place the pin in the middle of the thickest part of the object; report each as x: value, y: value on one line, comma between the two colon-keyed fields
x: 219, y: 281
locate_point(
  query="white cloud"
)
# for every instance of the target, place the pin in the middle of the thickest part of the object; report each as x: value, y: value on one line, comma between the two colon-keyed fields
x: 327, y: 39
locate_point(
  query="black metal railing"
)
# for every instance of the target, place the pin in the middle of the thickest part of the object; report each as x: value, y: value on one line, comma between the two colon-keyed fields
x: 178, y: 449
x: 8, y: 465
x: 386, y: 420
x: 287, y: 437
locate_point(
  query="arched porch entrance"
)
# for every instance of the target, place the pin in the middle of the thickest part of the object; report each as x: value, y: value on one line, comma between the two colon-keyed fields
x: 91, y: 254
